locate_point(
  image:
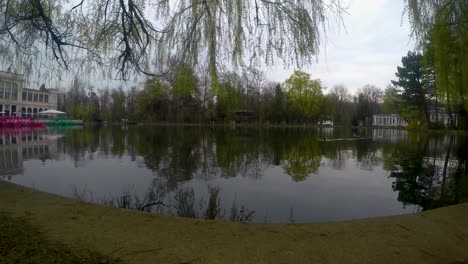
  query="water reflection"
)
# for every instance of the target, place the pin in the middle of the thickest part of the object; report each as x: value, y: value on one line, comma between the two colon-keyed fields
x: 432, y: 173
x: 20, y: 144
x: 324, y: 174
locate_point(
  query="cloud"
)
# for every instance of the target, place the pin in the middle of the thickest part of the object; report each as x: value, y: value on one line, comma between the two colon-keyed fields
x: 377, y: 36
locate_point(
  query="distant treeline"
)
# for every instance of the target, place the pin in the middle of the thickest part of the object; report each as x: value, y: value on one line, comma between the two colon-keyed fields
x: 183, y: 96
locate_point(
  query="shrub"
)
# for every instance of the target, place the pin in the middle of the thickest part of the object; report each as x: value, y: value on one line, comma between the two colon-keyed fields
x: 436, y: 125
x: 416, y: 125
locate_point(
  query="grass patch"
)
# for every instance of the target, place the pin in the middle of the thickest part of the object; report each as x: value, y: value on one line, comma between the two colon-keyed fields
x: 22, y: 243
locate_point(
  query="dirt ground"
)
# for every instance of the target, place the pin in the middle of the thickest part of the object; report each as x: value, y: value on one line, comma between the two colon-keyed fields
x: 438, y: 236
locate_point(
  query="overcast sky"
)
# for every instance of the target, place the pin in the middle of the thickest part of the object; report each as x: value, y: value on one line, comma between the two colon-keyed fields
x: 366, y: 50
x: 377, y: 36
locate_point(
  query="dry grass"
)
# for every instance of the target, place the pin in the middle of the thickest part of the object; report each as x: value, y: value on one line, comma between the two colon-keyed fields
x: 22, y: 243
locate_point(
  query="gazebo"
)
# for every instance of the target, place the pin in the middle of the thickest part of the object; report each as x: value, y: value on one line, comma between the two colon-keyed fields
x: 52, y: 112
x: 244, y: 116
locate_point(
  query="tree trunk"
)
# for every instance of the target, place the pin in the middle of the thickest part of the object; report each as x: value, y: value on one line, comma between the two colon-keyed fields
x: 444, y: 173
x: 426, y: 112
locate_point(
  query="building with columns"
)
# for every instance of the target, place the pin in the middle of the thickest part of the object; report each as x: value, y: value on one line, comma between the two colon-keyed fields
x: 392, y: 120
x: 19, y: 145
x: 395, y: 120
x: 17, y: 100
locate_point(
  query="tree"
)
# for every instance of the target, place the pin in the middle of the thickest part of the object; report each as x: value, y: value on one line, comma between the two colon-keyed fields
x: 444, y: 25
x: 184, y: 89
x: 410, y: 81
x: 254, y: 83
x: 304, y: 94
x: 126, y: 33
x: 278, y: 105
x: 118, y: 111
x: 368, y: 103
x: 338, y: 100
x: 132, y: 102
x: 93, y: 105
x: 153, y: 101
x: 229, y: 96
x: 392, y: 103
x: 105, y: 100
x: 363, y: 108
x: 81, y: 101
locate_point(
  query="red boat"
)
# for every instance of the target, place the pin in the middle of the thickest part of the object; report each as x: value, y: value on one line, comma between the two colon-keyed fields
x: 17, y: 121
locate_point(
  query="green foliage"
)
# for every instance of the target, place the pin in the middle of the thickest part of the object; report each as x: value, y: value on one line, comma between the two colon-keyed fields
x: 304, y: 94
x: 185, y: 81
x: 302, y: 160
x: 118, y: 111
x: 185, y: 199
x: 128, y: 35
x: 436, y: 126
x: 413, y: 94
x: 416, y: 125
x: 424, y: 171
x: 392, y: 101
x: 229, y: 95
x: 240, y: 214
x: 183, y: 95
x: 442, y: 31
x: 338, y: 107
x: 152, y: 101
x: 278, y: 105
x: 81, y: 102
x: 213, y: 209
x: 364, y: 110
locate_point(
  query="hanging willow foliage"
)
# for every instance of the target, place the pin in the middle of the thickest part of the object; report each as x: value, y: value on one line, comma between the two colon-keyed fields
x: 134, y: 35
x: 442, y: 28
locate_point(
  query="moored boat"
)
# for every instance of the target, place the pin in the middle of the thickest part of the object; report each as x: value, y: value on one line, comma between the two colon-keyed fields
x: 20, y: 121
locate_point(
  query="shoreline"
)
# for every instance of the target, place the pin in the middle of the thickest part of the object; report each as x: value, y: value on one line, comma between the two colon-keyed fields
x: 438, y: 236
x: 267, y: 126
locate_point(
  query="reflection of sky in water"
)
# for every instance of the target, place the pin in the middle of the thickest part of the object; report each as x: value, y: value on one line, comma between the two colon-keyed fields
x: 343, y: 187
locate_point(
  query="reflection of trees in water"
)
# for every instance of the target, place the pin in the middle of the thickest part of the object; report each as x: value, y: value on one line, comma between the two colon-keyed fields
x: 429, y: 171
x: 367, y: 155
x: 338, y: 161
x: 181, y: 202
x: 302, y: 159
x: 180, y: 153
x: 425, y: 169
x: 82, y: 144
x: 241, y: 152
x: 182, y: 157
x: 365, y: 151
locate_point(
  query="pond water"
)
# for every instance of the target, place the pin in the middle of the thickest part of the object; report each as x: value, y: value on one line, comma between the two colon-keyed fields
x: 277, y: 175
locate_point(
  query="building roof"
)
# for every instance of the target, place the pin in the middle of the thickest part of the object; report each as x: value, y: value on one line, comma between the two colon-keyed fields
x: 11, y: 75
x: 37, y: 90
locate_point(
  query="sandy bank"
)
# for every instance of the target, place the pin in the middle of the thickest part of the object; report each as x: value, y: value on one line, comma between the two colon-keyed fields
x: 439, y: 236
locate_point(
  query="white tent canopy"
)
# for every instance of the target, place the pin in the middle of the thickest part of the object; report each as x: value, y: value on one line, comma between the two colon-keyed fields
x: 51, y: 112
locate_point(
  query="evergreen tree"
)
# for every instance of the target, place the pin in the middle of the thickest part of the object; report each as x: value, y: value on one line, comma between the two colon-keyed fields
x: 410, y: 82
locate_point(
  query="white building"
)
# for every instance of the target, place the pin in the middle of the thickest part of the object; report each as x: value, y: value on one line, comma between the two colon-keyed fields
x: 442, y: 117
x: 395, y: 120
x: 17, y: 146
x: 392, y: 120
x: 325, y: 123
x: 17, y: 100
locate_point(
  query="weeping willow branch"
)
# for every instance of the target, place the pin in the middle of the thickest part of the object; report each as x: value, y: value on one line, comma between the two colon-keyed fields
x: 441, y: 27
x: 136, y: 36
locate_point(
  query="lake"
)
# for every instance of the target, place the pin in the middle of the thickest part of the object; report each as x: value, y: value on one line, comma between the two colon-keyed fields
x: 269, y: 175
